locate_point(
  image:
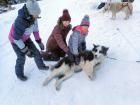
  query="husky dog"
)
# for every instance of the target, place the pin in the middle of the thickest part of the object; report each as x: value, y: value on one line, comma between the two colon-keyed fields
x: 125, y: 7
x: 89, y: 60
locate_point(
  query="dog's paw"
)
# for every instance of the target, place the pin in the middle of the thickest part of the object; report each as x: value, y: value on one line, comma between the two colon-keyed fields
x: 57, y: 86
x: 45, y: 82
x: 112, y: 18
x: 126, y: 18
x: 92, y: 77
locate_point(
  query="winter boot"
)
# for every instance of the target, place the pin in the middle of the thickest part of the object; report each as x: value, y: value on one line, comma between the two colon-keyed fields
x: 20, y: 74
x: 22, y: 78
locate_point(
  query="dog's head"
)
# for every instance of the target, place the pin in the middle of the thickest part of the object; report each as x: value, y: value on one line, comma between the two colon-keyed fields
x: 106, y: 7
x: 99, y: 50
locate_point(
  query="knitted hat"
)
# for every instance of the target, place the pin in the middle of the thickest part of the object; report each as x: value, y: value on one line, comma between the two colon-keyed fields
x: 65, y: 16
x: 85, y: 21
x: 33, y: 7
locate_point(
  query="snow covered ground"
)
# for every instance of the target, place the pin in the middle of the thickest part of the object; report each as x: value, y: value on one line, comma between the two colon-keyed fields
x: 116, y: 83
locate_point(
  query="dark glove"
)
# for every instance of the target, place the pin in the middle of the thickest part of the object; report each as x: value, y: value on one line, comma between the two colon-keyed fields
x: 41, y: 45
x: 27, y: 51
x: 70, y: 26
x: 101, y: 5
x: 71, y: 56
x: 83, y: 46
x: 77, y: 60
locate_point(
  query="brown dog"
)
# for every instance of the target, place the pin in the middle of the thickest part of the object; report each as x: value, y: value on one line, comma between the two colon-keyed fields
x: 125, y: 7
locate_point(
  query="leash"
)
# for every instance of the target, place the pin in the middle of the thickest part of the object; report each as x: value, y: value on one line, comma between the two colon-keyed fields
x: 138, y: 61
x: 129, y: 42
x: 112, y: 58
x: 126, y: 5
x: 116, y: 59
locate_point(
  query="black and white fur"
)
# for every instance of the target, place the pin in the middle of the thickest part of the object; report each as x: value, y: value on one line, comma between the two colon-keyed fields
x: 89, y: 60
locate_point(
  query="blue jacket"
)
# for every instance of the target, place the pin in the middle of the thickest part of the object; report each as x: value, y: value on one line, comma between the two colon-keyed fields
x: 76, y: 39
x: 23, y: 21
x: 23, y: 26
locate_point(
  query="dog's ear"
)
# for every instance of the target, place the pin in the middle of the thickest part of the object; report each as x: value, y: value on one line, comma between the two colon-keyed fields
x: 94, y: 45
x: 106, y: 48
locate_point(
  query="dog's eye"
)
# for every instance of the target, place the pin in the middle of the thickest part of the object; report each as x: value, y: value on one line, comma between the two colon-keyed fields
x: 95, y: 50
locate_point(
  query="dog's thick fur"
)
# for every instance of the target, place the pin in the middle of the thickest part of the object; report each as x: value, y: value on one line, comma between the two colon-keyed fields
x: 125, y: 7
x: 89, y: 61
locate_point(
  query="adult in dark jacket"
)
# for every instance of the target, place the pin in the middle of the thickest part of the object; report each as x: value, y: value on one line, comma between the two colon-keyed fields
x: 24, y: 25
x: 56, y: 45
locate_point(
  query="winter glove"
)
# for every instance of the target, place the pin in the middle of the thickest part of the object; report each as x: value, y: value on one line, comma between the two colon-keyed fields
x: 71, y: 56
x: 77, y: 60
x: 41, y: 45
x: 27, y: 51
x: 83, y: 45
x: 70, y: 26
x: 101, y: 5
